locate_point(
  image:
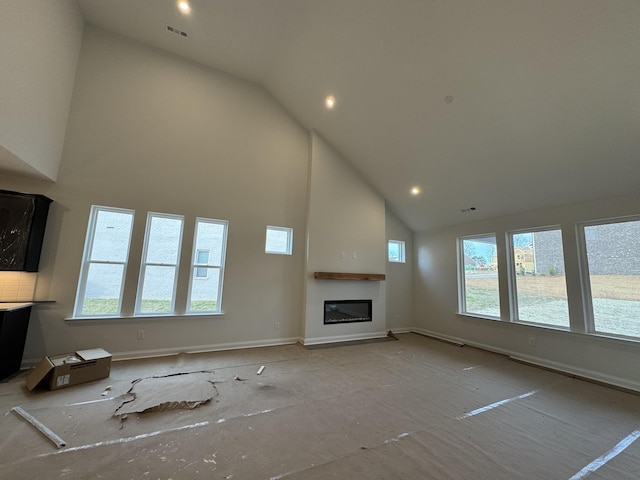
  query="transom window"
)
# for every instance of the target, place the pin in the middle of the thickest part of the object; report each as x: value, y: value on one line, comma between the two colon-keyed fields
x: 395, y: 251
x: 279, y: 240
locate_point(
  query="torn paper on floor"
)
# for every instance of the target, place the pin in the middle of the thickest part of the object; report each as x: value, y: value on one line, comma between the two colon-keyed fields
x: 169, y: 392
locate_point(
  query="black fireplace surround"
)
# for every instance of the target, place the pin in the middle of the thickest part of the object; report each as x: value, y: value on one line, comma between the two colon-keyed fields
x: 347, y: 311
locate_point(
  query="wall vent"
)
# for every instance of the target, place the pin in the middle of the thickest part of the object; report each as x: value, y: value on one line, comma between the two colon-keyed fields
x: 177, y: 31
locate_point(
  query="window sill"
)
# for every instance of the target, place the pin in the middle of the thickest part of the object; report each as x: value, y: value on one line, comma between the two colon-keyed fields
x: 546, y: 326
x: 481, y: 317
x: 142, y: 317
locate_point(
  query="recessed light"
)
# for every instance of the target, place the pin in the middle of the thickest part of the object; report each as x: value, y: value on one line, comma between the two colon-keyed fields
x: 330, y: 102
x: 184, y: 6
x: 415, y: 190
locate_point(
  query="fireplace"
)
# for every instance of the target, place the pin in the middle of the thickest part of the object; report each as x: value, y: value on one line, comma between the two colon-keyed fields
x: 347, y: 311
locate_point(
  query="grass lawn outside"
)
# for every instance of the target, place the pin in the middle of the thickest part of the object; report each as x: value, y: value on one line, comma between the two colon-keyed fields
x: 109, y: 306
x: 542, y: 299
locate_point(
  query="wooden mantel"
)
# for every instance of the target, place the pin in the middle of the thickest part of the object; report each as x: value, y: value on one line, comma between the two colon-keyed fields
x: 376, y: 277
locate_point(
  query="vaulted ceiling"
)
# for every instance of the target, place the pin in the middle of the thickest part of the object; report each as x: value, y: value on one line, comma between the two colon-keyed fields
x: 502, y: 105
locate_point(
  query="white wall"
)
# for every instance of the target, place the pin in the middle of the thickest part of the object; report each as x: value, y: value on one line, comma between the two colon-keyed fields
x: 39, y: 47
x: 346, y: 218
x: 435, y: 297
x: 399, y: 284
x: 152, y: 132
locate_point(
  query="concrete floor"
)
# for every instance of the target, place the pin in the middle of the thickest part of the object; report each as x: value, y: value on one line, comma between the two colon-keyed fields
x: 415, y: 408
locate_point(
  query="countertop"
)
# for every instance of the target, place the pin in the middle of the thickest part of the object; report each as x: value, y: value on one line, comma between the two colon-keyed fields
x: 9, y: 307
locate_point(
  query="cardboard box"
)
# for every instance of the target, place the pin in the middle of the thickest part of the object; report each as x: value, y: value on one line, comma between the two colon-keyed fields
x: 70, y: 369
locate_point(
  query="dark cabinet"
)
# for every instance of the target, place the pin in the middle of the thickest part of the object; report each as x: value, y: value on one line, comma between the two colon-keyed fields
x: 13, y: 333
x: 23, y: 218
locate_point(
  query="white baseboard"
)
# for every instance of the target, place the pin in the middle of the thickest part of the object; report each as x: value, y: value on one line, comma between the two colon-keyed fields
x: 402, y: 330
x: 540, y: 362
x: 204, y: 348
x: 445, y: 338
x: 343, y: 338
x: 578, y: 372
x: 164, y: 352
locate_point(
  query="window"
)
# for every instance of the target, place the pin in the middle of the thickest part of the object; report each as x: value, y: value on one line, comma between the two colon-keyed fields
x: 279, y: 240
x: 206, y: 293
x: 540, y: 286
x: 613, y: 268
x: 106, y: 255
x: 202, y: 258
x: 104, y: 262
x: 478, y: 267
x: 159, y: 266
x: 395, y: 251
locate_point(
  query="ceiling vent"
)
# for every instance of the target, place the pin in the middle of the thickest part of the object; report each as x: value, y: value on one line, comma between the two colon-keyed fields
x: 177, y: 31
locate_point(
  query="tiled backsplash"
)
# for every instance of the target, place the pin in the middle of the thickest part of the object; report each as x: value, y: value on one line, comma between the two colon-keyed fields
x: 17, y: 286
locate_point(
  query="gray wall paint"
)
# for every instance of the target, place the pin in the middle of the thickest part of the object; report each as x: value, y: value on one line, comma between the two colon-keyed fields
x: 346, y: 217
x: 399, y: 282
x: 152, y: 132
x: 39, y: 51
x: 436, y: 297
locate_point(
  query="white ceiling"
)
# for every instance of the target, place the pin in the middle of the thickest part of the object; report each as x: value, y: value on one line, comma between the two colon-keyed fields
x: 546, y: 93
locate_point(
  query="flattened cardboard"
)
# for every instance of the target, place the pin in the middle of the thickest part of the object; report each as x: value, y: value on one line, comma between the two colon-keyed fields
x: 62, y: 371
x: 186, y: 390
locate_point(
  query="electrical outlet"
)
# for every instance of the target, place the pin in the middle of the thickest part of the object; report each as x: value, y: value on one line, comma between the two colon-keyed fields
x: 140, y: 334
x: 276, y: 325
x: 532, y: 341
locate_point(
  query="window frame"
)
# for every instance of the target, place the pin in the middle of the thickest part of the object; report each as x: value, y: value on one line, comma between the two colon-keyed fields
x: 585, y: 276
x: 578, y: 279
x: 514, y: 308
x: 462, y: 288
x: 288, y: 231
x: 401, y: 251
x: 144, y: 264
x: 86, y: 262
x: 194, y: 265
